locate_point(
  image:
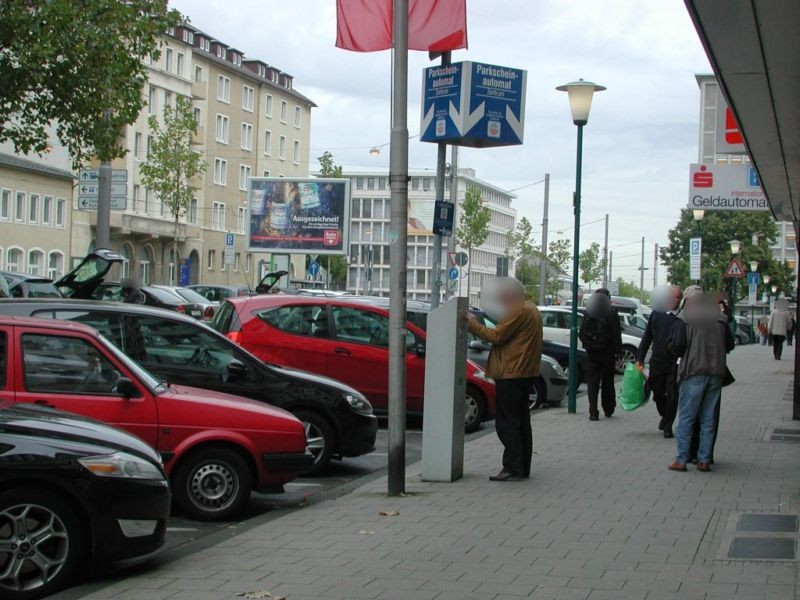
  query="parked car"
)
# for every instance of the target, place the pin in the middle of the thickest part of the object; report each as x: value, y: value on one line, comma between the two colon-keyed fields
x: 73, y: 492
x: 338, y: 420
x: 744, y: 332
x: 556, y: 324
x: 110, y: 291
x: 216, y: 447
x: 192, y: 297
x: 633, y: 320
x: 343, y: 338
x: 218, y: 293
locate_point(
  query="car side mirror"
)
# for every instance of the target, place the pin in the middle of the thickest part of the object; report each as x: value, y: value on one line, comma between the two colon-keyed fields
x: 233, y: 371
x: 419, y: 350
x: 477, y: 345
x: 126, y: 388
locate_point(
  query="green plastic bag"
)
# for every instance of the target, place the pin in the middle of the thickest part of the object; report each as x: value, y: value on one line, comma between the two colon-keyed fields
x: 633, y: 394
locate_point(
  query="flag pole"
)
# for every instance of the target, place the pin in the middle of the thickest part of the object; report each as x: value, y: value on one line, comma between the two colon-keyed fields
x: 398, y: 242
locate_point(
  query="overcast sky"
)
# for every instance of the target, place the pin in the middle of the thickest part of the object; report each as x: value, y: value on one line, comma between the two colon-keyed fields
x: 642, y: 131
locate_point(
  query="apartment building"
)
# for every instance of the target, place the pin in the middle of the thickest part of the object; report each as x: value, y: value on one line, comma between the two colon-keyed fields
x: 370, y: 215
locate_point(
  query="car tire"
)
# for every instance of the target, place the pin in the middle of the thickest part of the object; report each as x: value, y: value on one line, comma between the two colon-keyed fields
x: 66, y: 544
x: 212, y: 483
x: 320, y: 440
x: 474, y: 410
x: 537, y: 398
x: 628, y: 355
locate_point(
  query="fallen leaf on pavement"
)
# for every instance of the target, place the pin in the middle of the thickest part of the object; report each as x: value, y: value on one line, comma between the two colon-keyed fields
x: 388, y: 513
x: 366, y: 532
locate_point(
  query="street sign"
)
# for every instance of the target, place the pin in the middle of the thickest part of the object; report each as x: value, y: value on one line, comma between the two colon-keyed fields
x: 90, y: 203
x: 452, y: 273
x: 92, y: 190
x: 753, y: 278
x: 313, y: 268
x: 184, y: 271
x: 473, y: 104
x: 725, y: 187
x: 751, y: 296
x: 695, y: 258
x: 443, y: 213
x: 93, y: 175
x: 230, y: 255
x: 735, y: 270
x: 461, y: 258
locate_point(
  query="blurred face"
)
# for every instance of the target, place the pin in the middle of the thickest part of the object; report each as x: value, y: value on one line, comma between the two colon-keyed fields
x: 677, y: 296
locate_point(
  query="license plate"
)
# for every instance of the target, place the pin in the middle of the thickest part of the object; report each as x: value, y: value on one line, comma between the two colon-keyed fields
x: 196, y: 313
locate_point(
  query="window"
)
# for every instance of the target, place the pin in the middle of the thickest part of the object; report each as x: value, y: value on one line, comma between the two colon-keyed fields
x: 167, y: 98
x: 212, y: 256
x: 220, y: 52
x: 370, y: 183
x: 188, y: 37
x: 80, y: 368
x: 136, y: 194
x: 220, y: 171
x: 198, y: 74
x: 305, y: 319
x: 367, y: 208
x: 60, y: 212
x: 248, y: 98
x: 223, y: 126
x: 360, y: 326
x: 47, y: 210
x: 223, y: 89
x: 218, y: 215
x: 296, y: 152
x: 147, y: 195
x: 205, y: 44
x: 179, y: 64
x: 426, y: 185
x: 247, y: 136
x: 14, y: 260
x: 19, y: 209
x: 5, y: 205
x: 149, y: 145
x: 137, y: 145
x: 359, y: 183
x: 33, y: 209
x: 244, y: 176
x: 414, y: 183
x: 55, y: 265
x: 144, y: 271
x: 197, y: 114
x: 248, y: 262
x: 35, y: 262
x: 151, y: 100
x: 266, y: 173
x: 297, y: 116
x: 268, y: 106
x: 284, y: 111
x: 236, y: 257
x: 381, y: 183
x: 242, y: 220
x: 282, y: 148
x: 268, y: 143
x: 168, y: 60
x: 192, y: 212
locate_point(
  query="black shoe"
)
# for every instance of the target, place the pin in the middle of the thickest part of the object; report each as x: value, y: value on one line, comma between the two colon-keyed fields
x: 609, y: 415
x: 661, y: 425
x: 668, y: 434
x: 505, y: 476
x: 594, y: 417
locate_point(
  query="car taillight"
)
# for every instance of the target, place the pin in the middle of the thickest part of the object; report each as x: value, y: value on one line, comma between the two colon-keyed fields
x: 181, y: 308
x: 234, y: 336
x: 208, y: 313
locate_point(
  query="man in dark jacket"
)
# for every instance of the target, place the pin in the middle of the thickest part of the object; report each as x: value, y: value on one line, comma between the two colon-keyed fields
x: 601, y: 336
x: 663, y: 363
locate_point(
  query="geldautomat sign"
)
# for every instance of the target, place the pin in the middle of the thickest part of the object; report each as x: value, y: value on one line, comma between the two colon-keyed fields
x: 473, y: 104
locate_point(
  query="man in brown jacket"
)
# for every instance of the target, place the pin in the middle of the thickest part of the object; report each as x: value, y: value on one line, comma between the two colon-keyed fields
x: 513, y: 364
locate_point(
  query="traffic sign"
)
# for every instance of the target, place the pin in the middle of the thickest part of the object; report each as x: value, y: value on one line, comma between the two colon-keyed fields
x: 313, y: 268
x: 92, y: 190
x: 90, y: 203
x: 753, y: 278
x: 443, y: 217
x: 461, y: 258
x: 93, y: 175
x: 735, y: 270
x: 695, y: 258
x: 230, y: 257
x: 452, y: 273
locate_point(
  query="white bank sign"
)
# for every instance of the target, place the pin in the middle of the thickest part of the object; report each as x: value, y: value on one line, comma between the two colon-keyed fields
x: 725, y: 187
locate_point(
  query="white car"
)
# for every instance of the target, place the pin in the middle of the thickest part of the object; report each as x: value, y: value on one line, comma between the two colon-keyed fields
x: 556, y: 322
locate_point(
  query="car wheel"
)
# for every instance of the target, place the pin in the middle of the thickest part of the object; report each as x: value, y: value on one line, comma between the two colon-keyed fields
x: 212, y: 484
x: 474, y: 410
x: 320, y: 440
x: 42, y: 543
x: 537, y: 398
x: 628, y: 355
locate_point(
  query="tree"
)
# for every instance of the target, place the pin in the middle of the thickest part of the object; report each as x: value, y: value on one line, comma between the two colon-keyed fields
x: 473, y: 225
x: 520, y: 244
x: 77, y: 66
x: 172, y: 165
x: 559, y: 256
x: 337, y: 266
x: 591, y: 266
x: 716, y: 230
x: 327, y: 166
x: 628, y: 289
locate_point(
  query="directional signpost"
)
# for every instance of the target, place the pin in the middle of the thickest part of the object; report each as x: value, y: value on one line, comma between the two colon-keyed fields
x: 89, y: 189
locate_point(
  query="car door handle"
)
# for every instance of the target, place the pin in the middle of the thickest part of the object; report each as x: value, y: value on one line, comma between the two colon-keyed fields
x: 342, y: 351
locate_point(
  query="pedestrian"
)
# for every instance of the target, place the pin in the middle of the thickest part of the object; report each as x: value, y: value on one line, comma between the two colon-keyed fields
x: 513, y: 364
x: 702, y: 338
x: 778, y: 327
x: 601, y: 336
x: 663, y: 362
x: 762, y: 331
x: 792, y: 327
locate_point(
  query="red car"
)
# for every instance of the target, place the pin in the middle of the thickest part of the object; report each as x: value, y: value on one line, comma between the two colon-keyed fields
x: 215, y: 447
x: 345, y: 339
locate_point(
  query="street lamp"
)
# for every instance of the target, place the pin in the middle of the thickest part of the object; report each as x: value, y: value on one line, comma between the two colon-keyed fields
x: 580, y: 102
x: 736, y: 247
x: 774, y: 289
x: 766, y: 279
x: 698, y: 214
x: 754, y: 265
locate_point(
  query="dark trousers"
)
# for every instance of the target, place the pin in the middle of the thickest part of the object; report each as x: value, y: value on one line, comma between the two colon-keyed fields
x: 777, y: 345
x: 599, y: 372
x: 695, y: 444
x: 512, y: 422
x: 664, y: 384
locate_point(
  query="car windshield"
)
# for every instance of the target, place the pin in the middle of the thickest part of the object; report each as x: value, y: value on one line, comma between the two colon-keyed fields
x: 141, y: 373
x: 191, y: 296
x: 165, y: 296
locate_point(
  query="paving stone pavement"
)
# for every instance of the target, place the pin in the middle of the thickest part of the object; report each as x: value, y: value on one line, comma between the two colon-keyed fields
x: 601, y: 518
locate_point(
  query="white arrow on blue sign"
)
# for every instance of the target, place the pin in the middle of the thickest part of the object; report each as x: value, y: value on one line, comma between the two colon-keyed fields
x: 313, y: 268
x: 452, y: 273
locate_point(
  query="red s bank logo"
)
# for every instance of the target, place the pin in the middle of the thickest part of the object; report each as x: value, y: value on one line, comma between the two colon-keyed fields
x: 732, y: 133
x: 703, y: 178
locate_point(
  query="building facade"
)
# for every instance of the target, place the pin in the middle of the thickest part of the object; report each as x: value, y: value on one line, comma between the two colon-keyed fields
x: 370, y: 216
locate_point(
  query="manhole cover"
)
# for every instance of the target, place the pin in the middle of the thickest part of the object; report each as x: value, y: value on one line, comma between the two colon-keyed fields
x: 766, y: 522
x: 762, y: 548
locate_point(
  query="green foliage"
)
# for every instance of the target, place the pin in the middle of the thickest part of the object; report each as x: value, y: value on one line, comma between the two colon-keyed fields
x: 337, y: 268
x: 473, y: 225
x: 527, y: 272
x: 628, y: 289
x: 78, y: 65
x: 337, y: 265
x: 559, y: 257
x: 327, y: 166
x: 717, y: 229
x: 591, y: 266
x: 172, y: 167
x: 520, y: 244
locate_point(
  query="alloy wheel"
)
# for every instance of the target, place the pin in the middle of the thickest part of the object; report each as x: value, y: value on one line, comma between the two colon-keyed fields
x: 471, y: 410
x: 315, y: 440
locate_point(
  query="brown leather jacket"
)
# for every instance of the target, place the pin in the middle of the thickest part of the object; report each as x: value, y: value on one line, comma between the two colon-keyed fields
x: 516, y: 344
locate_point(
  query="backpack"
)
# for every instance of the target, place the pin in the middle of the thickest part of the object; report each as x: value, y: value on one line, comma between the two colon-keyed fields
x: 594, y: 334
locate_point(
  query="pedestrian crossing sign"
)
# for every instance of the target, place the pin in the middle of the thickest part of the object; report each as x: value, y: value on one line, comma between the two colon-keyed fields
x: 735, y: 270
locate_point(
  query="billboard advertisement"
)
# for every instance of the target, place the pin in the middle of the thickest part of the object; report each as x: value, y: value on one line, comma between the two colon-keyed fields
x: 725, y: 187
x: 729, y: 139
x: 306, y: 216
x: 420, y: 216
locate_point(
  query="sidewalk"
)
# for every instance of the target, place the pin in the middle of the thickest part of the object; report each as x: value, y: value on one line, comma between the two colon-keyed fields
x: 601, y: 518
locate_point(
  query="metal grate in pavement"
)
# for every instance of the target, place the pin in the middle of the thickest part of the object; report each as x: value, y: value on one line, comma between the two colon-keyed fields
x: 760, y: 537
x: 768, y: 523
x: 763, y: 548
x: 785, y: 435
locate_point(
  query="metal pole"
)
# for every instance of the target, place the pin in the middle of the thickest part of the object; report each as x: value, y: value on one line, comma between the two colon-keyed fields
x: 641, y: 275
x: 103, y: 231
x: 451, y: 241
x: 398, y: 241
x: 655, y: 267
x: 573, y: 326
x: 441, y: 165
x: 605, y: 257
x: 543, y: 261
x: 610, y: 265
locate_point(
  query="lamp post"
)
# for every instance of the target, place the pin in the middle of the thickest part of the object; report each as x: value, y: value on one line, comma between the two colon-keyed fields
x: 766, y: 290
x: 736, y: 248
x: 580, y: 102
x: 753, y: 298
x: 698, y: 214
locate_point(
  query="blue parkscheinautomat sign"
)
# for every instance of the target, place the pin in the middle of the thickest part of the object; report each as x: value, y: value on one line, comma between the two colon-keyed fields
x: 473, y: 104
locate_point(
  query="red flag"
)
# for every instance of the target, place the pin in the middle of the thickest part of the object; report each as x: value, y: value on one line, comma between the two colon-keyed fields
x: 433, y: 25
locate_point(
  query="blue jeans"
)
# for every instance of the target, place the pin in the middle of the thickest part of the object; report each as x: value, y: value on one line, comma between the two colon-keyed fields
x: 699, y: 397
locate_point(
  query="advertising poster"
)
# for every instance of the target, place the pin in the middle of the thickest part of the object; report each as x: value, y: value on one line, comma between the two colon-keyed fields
x: 420, y: 216
x: 299, y: 215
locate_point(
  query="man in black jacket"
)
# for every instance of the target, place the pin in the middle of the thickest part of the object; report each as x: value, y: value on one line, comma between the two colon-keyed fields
x: 601, y: 336
x: 663, y: 363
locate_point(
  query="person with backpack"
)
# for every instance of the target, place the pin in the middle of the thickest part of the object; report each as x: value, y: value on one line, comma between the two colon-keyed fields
x: 601, y: 336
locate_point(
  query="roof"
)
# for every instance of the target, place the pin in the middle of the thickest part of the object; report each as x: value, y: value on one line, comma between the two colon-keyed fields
x: 26, y: 164
x: 47, y: 323
x: 67, y: 303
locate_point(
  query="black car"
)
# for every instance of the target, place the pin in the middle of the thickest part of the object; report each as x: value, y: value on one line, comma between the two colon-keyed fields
x: 339, y: 420
x: 218, y: 293
x: 158, y: 296
x: 73, y: 493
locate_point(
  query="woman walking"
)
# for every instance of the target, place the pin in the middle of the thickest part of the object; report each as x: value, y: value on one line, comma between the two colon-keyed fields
x: 779, y: 327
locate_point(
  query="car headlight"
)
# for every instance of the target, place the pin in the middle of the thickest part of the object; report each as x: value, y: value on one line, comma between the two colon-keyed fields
x: 121, y: 465
x: 557, y: 368
x: 359, y: 404
x: 480, y: 374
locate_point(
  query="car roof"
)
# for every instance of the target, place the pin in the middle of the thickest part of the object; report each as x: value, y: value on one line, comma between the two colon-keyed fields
x: 18, y: 277
x: 11, y: 320
x: 121, y: 307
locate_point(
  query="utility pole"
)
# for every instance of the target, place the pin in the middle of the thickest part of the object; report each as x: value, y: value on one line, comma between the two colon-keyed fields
x: 398, y: 181
x: 543, y: 261
x: 605, y: 257
x: 451, y: 242
x: 103, y: 228
x: 655, y: 267
x: 641, y: 275
x: 441, y: 165
x: 610, y: 264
